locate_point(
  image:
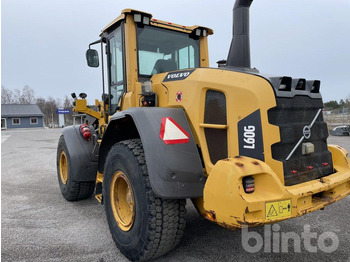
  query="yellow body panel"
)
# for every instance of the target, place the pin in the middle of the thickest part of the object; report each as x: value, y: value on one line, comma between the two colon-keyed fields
x: 224, y: 200
x: 226, y: 203
x: 241, y: 102
x: 99, y: 180
x: 130, y: 98
x: 155, y: 22
x: 81, y: 106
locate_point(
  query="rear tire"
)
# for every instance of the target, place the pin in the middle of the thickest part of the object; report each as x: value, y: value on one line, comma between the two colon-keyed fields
x: 147, y: 226
x: 70, y: 189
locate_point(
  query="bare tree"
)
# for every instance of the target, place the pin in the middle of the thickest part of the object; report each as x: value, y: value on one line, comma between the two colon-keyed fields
x: 27, y: 96
x: 50, y: 109
x: 41, y: 103
x: 68, y: 104
x: 6, y: 96
x: 47, y: 106
x: 16, y: 96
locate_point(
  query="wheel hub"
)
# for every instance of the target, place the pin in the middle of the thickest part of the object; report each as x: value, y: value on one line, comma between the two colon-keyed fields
x: 122, y: 201
x: 63, y: 167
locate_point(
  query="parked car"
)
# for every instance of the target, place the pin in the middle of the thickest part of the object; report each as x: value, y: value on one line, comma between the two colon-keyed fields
x: 340, y: 131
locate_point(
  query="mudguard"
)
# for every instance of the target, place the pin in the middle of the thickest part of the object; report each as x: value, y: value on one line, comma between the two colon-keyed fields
x: 175, y: 169
x: 83, y: 159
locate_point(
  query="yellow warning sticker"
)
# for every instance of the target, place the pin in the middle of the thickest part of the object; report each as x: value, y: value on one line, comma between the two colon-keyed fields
x: 278, y: 209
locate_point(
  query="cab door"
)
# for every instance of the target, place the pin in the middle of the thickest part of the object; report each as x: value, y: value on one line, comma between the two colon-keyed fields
x: 116, y: 68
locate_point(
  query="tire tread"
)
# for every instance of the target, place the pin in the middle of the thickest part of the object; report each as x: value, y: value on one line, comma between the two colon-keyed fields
x: 73, y: 190
x: 166, y: 217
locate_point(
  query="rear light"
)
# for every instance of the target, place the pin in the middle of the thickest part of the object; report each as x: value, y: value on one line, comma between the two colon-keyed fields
x: 248, y: 184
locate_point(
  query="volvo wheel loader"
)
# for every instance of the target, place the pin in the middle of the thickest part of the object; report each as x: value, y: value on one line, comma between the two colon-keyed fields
x: 247, y: 148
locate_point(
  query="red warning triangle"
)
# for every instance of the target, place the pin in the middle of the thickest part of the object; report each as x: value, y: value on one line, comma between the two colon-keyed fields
x: 172, y: 133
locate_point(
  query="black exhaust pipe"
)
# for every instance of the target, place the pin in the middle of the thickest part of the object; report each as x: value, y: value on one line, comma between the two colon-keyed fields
x: 239, y: 54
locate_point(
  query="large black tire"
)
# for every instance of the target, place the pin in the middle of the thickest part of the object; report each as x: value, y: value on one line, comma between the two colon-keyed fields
x: 70, y: 189
x: 158, y: 223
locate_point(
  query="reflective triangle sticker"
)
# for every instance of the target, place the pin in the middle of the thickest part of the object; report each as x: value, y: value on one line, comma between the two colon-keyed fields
x: 172, y: 133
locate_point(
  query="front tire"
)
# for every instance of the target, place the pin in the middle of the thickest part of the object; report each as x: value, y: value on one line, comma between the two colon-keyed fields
x: 70, y: 189
x: 143, y: 226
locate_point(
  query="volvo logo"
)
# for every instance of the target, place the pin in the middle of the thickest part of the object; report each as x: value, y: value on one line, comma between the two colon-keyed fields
x: 179, y: 75
x: 307, y: 132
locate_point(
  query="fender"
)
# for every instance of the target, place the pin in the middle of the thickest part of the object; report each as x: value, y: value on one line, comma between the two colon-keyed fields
x: 175, y: 170
x: 83, y: 159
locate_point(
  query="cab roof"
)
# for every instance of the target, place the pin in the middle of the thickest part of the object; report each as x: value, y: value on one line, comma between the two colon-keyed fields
x: 154, y: 22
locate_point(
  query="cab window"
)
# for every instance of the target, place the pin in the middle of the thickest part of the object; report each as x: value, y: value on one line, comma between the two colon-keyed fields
x: 161, y: 50
x: 116, y: 64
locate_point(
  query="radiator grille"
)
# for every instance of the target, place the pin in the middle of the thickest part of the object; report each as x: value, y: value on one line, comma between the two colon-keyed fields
x: 292, y: 115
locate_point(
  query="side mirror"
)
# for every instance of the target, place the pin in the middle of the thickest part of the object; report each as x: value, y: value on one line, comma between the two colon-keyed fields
x: 92, y: 58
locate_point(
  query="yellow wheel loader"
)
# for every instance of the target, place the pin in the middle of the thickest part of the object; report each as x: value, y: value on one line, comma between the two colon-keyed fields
x: 247, y: 148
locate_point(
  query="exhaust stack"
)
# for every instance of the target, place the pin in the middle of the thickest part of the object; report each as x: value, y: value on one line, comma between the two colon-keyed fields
x: 239, y: 54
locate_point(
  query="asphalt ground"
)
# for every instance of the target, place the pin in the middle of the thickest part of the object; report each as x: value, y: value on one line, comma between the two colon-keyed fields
x: 37, y: 224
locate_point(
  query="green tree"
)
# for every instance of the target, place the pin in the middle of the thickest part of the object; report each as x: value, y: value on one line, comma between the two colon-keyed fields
x: 347, y: 102
x: 331, y: 105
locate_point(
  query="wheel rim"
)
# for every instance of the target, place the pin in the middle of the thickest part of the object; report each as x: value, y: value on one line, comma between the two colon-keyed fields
x: 122, y: 201
x: 63, y: 167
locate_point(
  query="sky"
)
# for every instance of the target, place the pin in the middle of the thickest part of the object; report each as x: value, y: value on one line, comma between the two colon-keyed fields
x: 43, y: 43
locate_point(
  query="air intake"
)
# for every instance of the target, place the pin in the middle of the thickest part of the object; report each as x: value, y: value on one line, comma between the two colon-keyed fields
x: 239, y: 54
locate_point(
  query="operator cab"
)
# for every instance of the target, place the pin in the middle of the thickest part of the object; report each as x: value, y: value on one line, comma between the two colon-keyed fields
x: 161, y: 50
x: 160, y: 47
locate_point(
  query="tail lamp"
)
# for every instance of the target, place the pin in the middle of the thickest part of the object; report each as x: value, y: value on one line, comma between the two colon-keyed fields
x: 248, y: 184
